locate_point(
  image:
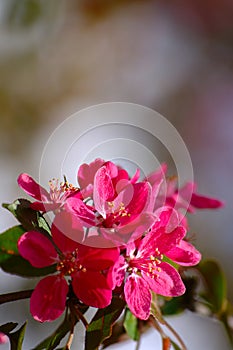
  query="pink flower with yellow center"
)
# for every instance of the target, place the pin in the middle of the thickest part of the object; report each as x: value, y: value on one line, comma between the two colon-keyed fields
x: 46, y: 201
x: 87, y: 268
x: 143, y: 269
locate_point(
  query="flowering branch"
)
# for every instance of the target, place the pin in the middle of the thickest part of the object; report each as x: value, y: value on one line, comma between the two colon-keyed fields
x: 116, y: 243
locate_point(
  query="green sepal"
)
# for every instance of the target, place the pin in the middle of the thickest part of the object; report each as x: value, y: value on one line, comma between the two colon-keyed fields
x: 131, y: 325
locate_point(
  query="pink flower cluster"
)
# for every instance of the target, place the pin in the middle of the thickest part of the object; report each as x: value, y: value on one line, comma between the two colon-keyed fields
x: 112, y: 234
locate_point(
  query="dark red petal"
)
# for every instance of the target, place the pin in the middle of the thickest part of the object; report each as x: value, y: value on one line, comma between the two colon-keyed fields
x: 92, y: 288
x: 138, y: 296
x: 96, y: 259
x: 49, y: 298
x: 32, y: 188
x: 37, y: 249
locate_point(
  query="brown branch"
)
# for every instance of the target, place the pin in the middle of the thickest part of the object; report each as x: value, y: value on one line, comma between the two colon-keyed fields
x: 9, y: 297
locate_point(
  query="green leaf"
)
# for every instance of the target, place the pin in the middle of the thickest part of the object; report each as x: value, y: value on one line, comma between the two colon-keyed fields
x: 16, y: 338
x: 17, y: 265
x: 131, y: 325
x: 8, y: 327
x: 215, y: 280
x: 8, y: 242
x: 30, y: 219
x: 12, y: 262
x: 54, y: 339
x: 101, y: 325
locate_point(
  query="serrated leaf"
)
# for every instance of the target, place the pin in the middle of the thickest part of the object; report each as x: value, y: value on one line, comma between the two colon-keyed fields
x: 101, y: 325
x: 29, y: 218
x: 16, y: 338
x: 8, y: 327
x: 131, y: 325
x: 215, y: 280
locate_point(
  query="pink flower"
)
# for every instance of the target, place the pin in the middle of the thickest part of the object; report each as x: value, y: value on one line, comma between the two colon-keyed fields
x: 87, y: 268
x: 187, y: 197
x: 87, y: 173
x: 166, y: 192
x: 121, y: 205
x: 46, y: 201
x: 3, y: 338
x: 144, y: 268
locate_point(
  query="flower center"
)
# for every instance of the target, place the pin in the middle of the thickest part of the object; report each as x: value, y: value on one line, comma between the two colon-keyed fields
x: 60, y: 190
x: 150, y: 265
x: 69, y: 264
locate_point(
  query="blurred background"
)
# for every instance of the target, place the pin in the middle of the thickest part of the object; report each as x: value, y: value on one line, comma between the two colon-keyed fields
x: 57, y: 57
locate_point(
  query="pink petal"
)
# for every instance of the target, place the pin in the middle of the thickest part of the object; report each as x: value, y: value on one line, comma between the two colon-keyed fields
x: 157, y: 175
x: 140, y: 199
x: 154, y: 194
x: 32, y: 188
x: 44, y: 207
x: 167, y: 282
x: 112, y: 169
x: 67, y: 231
x: 81, y: 210
x: 86, y: 173
x: 187, y: 190
x: 168, y: 217
x: 92, y: 288
x: 202, y: 202
x: 103, y: 190
x: 184, y: 254
x: 138, y: 296
x: 135, y: 177
x: 48, y: 300
x: 37, y: 249
x: 161, y: 241
x: 118, y: 272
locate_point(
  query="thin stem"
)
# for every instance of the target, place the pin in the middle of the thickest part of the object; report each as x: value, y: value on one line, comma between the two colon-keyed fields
x: 157, y: 326
x: 176, y: 335
x: 82, y: 318
x: 9, y: 297
x: 70, y: 339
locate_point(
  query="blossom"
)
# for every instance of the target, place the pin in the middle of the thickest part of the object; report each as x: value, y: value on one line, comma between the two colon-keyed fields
x: 87, y: 174
x: 166, y: 192
x: 121, y: 206
x: 87, y: 268
x: 46, y: 201
x: 144, y: 268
